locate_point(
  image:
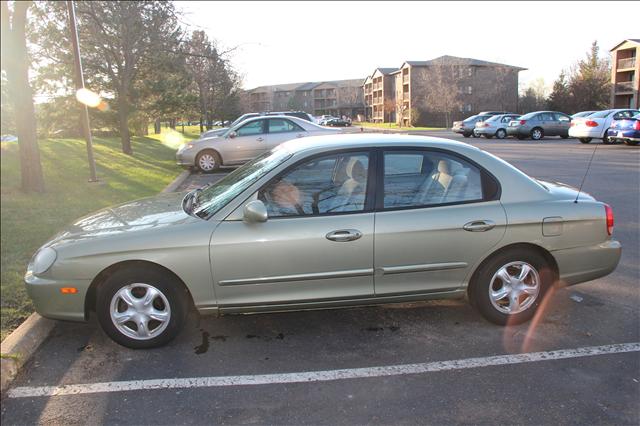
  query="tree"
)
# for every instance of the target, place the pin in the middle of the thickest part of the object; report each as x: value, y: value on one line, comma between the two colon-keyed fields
x: 534, y: 97
x: 443, y: 95
x: 590, y: 83
x: 560, y: 98
x: 389, y: 106
x: 117, y: 38
x: 15, y: 62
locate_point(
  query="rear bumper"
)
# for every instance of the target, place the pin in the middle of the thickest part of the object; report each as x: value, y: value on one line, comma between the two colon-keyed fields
x: 582, y: 132
x: 518, y: 131
x: 580, y: 264
x: 485, y: 131
x: 628, y: 135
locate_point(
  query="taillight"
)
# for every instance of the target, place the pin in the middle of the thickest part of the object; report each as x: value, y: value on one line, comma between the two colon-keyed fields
x: 609, y: 212
x: 591, y: 123
x: 636, y: 125
x: 573, y: 123
x: 523, y: 122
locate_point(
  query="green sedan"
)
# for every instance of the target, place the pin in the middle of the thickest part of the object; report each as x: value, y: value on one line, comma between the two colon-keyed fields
x: 327, y: 222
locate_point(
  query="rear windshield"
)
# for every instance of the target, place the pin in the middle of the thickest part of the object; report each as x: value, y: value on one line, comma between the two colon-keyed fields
x: 472, y: 118
x: 602, y: 114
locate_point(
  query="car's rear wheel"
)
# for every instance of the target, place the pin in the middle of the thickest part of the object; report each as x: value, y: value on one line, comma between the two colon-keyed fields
x: 141, y: 308
x: 537, y: 134
x: 475, y: 135
x: 466, y: 135
x: 501, y: 134
x: 508, y: 288
x: 584, y: 140
x: 208, y: 161
x: 606, y: 139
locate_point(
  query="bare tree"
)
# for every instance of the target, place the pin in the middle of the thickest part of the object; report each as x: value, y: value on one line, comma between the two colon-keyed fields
x: 443, y: 95
x: 15, y: 61
x: 389, y: 106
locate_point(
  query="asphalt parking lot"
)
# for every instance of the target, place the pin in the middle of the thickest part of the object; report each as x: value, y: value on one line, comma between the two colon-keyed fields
x: 318, y: 367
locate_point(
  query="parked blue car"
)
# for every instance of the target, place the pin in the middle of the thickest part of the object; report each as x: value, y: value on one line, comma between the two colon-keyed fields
x: 626, y: 130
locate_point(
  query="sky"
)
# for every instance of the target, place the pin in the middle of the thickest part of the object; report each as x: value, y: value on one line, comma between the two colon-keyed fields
x: 290, y: 42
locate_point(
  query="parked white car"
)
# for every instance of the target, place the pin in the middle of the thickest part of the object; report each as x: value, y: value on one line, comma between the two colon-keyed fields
x: 595, y: 126
x: 496, y: 125
x: 246, y: 141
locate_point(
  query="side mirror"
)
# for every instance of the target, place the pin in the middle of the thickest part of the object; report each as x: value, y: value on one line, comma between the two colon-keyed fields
x: 233, y: 135
x: 255, y: 212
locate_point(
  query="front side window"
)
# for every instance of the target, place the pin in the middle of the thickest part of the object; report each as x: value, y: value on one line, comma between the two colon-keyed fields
x: 562, y: 117
x: 335, y: 183
x: 425, y: 178
x: 254, y: 128
x: 280, y: 125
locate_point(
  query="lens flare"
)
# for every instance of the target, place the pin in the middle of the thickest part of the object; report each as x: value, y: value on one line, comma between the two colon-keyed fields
x: 172, y: 139
x: 89, y: 98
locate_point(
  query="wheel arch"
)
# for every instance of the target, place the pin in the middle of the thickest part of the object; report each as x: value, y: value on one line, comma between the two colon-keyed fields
x: 546, y: 254
x: 90, y: 298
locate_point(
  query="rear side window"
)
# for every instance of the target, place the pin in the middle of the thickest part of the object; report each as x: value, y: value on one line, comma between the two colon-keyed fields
x: 428, y: 178
x: 280, y: 125
x: 601, y: 114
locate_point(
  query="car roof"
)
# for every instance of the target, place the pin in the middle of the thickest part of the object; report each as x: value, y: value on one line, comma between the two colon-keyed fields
x: 368, y: 140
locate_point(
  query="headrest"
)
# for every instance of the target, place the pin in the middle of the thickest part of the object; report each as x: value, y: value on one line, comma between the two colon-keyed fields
x: 444, y: 166
x: 355, y: 170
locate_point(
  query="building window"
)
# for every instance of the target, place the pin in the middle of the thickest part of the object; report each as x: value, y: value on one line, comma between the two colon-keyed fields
x: 467, y: 107
x: 469, y: 90
x: 470, y: 71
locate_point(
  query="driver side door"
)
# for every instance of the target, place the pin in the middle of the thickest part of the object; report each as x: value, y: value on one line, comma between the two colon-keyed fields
x: 250, y: 140
x: 316, y: 246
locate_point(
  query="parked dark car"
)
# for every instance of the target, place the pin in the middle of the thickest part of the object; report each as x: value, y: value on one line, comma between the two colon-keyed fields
x: 626, y: 130
x: 466, y: 126
x: 337, y: 122
x: 538, y: 124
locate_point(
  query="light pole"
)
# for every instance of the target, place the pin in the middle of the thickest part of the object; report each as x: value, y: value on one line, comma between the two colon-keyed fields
x: 79, y: 79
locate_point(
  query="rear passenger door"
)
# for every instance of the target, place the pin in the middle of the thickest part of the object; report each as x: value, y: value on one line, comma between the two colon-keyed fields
x: 563, y: 122
x: 282, y: 130
x: 437, y: 214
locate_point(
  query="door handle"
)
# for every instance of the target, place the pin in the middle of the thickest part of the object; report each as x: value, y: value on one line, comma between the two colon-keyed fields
x: 479, y: 225
x: 344, y: 235
x: 260, y: 139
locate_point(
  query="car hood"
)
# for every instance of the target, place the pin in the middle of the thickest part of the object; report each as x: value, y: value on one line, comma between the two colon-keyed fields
x: 154, y: 212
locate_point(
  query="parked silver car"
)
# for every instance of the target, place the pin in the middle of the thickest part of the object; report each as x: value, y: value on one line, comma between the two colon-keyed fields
x: 295, y: 229
x: 496, y: 125
x: 538, y: 124
x: 245, y: 141
x: 466, y: 126
x: 219, y: 132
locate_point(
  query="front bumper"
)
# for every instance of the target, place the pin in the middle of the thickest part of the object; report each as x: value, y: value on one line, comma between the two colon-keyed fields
x: 580, y: 264
x: 51, y: 303
x: 185, y: 158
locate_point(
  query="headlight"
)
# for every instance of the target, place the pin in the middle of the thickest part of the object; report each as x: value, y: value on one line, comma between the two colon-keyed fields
x: 43, y: 260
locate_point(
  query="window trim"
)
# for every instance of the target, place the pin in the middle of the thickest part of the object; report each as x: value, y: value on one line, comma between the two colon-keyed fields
x: 486, y: 178
x: 370, y: 191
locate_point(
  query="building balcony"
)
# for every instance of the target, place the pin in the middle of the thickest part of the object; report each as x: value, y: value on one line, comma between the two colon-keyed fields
x: 405, y: 78
x: 626, y: 63
x: 625, y: 86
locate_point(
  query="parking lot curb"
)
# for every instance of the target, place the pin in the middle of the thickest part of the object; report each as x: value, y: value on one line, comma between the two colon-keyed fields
x: 18, y: 347
x: 173, y: 186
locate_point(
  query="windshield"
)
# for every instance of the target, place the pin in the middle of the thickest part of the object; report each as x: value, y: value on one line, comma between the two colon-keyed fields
x: 494, y: 118
x: 472, y: 118
x: 213, y: 198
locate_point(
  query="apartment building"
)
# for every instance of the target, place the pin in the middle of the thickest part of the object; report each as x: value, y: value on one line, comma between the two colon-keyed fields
x: 481, y: 85
x: 338, y: 97
x: 625, y: 74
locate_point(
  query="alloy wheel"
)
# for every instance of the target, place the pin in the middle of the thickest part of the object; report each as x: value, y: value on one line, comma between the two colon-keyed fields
x: 140, y: 311
x: 206, y: 162
x: 514, y: 287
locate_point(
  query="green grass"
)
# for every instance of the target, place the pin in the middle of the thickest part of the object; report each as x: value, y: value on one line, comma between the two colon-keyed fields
x: 393, y: 126
x: 28, y: 220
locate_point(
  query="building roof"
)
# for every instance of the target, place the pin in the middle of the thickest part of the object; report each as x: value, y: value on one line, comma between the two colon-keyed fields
x: 387, y: 70
x: 306, y: 85
x: 632, y: 40
x: 455, y: 60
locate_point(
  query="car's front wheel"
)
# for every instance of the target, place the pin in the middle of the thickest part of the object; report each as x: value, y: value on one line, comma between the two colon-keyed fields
x: 537, y: 134
x: 584, y: 140
x: 208, y: 161
x: 508, y: 288
x: 501, y: 134
x: 141, y: 308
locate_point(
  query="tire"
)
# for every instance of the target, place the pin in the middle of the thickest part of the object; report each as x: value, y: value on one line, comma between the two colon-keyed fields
x: 486, y: 281
x: 565, y: 136
x: 630, y: 143
x: 170, y: 302
x: 501, y: 134
x: 537, y: 134
x: 605, y: 138
x: 475, y: 135
x: 584, y: 140
x: 208, y: 161
x: 466, y: 135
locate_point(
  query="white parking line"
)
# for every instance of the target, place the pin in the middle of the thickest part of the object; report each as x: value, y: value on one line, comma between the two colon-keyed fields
x: 320, y: 376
